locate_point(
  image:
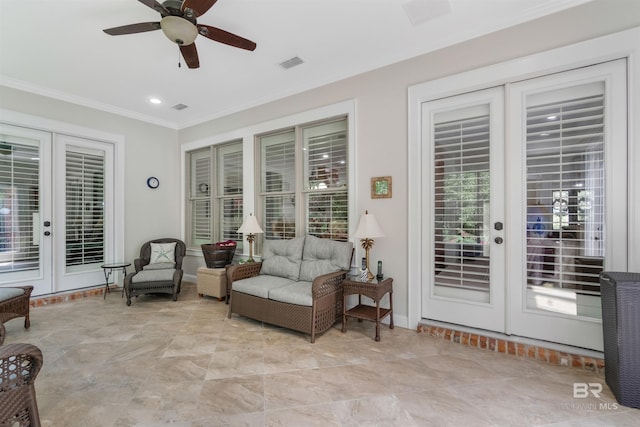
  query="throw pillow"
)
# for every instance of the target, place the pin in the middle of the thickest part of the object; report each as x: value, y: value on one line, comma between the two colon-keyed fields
x: 323, y: 256
x: 282, y: 258
x: 163, y: 252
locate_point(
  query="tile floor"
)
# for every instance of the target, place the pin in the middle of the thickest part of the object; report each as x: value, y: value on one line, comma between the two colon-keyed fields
x: 184, y: 363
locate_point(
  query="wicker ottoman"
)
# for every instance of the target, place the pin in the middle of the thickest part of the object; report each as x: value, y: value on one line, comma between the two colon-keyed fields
x: 212, y: 282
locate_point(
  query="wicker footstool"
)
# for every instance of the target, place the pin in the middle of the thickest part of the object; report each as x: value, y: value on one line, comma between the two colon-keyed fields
x: 14, y: 302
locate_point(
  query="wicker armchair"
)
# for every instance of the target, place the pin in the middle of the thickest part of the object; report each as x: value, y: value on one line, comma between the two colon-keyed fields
x: 14, y: 302
x: 164, y: 277
x: 19, y: 366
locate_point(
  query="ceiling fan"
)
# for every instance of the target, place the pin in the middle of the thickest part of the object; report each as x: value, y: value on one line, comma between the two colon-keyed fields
x: 179, y: 24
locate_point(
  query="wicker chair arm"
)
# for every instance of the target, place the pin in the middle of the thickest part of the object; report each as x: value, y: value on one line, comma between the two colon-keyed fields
x: 243, y: 271
x: 139, y: 263
x: 327, y: 284
x: 3, y: 333
x: 27, y: 356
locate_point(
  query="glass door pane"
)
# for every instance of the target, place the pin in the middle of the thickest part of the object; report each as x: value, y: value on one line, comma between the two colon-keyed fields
x: 461, y: 192
x: 19, y: 207
x: 565, y: 190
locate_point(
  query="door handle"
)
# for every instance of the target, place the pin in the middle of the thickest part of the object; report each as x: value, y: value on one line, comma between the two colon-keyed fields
x: 498, y: 240
x: 47, y: 233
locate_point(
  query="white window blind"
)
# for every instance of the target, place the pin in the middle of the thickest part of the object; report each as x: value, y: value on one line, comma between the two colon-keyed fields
x: 279, y: 185
x: 565, y: 188
x: 19, y: 206
x: 200, y: 194
x: 308, y: 163
x: 216, y: 194
x: 325, y: 173
x: 229, y: 192
x: 84, y: 216
x: 461, y: 198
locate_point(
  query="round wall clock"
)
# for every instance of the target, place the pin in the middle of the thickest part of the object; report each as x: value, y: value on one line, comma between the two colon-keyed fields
x: 153, y: 182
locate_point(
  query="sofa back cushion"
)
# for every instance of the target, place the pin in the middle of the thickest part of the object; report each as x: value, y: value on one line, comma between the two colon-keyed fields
x: 282, y: 258
x: 322, y: 256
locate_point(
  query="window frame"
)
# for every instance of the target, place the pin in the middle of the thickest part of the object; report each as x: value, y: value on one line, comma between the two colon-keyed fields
x: 302, y: 190
x: 212, y: 193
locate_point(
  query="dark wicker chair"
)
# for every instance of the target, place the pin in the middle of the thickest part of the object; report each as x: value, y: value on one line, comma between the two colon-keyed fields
x: 19, y: 366
x: 14, y: 302
x: 155, y: 281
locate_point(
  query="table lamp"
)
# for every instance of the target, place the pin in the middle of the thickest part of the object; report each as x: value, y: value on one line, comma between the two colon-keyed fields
x: 250, y: 227
x: 367, y: 229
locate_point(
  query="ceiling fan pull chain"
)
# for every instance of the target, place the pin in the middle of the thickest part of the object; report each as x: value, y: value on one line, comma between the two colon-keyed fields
x: 179, y: 63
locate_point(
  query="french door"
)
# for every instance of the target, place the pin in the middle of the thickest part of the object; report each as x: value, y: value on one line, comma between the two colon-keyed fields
x: 55, y: 222
x: 517, y: 232
x: 568, y: 189
x: 464, y: 202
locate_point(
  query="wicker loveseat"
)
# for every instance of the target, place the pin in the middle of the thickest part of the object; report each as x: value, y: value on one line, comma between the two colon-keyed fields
x: 298, y: 284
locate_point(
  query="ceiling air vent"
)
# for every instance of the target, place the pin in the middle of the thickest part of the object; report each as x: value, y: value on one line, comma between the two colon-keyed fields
x: 180, y: 107
x: 290, y: 63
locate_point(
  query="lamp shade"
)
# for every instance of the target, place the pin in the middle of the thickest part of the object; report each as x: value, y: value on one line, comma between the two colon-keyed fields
x: 368, y: 227
x: 250, y: 226
x: 179, y: 30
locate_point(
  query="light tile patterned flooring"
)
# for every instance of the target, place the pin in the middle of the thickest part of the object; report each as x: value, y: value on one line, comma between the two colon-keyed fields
x: 184, y: 363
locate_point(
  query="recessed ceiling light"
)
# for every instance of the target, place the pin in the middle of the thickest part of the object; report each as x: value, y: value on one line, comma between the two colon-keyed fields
x: 155, y: 101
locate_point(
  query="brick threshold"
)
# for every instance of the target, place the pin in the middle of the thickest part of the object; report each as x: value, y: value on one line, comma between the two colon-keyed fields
x: 43, y: 300
x: 518, y: 349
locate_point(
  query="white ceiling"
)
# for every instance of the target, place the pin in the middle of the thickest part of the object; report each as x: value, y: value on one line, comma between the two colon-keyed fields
x: 57, y: 48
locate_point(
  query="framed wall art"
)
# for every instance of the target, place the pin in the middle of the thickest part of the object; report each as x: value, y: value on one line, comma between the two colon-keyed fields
x: 381, y: 187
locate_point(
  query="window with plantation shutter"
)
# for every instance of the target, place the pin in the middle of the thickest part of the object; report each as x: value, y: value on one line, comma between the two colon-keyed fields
x: 201, y: 221
x: 84, y: 215
x: 565, y: 188
x: 278, y: 182
x: 325, y: 173
x: 19, y: 206
x: 304, y: 177
x: 229, y: 192
x: 215, y: 195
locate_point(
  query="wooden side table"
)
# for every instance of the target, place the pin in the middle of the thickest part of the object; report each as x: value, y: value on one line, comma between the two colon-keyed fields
x: 375, y: 290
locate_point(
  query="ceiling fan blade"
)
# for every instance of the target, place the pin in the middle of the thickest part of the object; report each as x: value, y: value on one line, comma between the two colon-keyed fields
x: 140, y: 27
x: 225, y: 37
x: 200, y: 7
x: 153, y: 4
x: 190, y: 55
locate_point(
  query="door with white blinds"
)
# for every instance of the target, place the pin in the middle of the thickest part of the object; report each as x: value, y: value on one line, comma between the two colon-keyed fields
x: 465, y: 210
x: 570, y: 200
x: 83, y: 227
x: 25, y: 205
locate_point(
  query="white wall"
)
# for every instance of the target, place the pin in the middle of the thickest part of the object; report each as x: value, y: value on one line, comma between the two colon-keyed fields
x: 381, y: 113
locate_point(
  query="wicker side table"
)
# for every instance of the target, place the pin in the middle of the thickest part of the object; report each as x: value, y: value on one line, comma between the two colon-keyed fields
x: 375, y: 290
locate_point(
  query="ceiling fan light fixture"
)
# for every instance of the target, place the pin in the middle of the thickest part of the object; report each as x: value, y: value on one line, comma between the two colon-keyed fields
x: 179, y: 30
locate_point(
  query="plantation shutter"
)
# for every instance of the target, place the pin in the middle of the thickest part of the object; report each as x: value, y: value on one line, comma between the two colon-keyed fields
x: 19, y: 205
x: 325, y: 174
x: 201, y: 221
x: 84, y: 214
x: 565, y: 188
x: 278, y: 185
x: 461, y: 191
x: 230, y: 189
